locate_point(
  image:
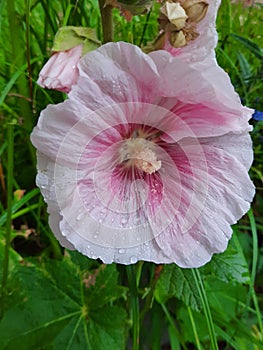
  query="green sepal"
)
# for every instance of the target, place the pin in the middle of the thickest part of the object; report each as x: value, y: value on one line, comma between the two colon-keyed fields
x: 68, y: 37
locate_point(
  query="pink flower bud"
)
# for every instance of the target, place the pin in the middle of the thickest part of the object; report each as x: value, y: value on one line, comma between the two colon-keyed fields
x: 61, y: 71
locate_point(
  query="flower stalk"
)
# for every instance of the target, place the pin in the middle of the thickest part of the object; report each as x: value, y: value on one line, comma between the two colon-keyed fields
x: 106, y: 21
x: 134, y: 300
x: 210, y: 325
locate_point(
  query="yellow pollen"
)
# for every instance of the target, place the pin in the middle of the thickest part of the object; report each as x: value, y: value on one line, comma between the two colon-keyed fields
x: 136, y: 152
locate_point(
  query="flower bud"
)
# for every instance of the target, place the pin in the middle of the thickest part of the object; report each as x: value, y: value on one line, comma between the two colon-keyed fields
x: 178, y: 39
x: 175, y: 13
x: 195, y: 9
x: 70, y: 44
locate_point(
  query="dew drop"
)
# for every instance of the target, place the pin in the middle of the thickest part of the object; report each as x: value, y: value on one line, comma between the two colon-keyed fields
x: 103, y: 211
x: 124, y: 221
x: 122, y: 251
x: 133, y: 259
x: 79, y: 216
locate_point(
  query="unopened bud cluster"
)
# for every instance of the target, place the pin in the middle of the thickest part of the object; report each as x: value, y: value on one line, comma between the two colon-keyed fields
x: 178, y: 20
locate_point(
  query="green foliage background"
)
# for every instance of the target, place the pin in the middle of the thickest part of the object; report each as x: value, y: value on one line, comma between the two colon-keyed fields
x: 56, y: 299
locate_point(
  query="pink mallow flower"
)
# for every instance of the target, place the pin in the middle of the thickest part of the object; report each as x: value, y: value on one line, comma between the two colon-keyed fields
x: 61, y: 71
x: 147, y: 160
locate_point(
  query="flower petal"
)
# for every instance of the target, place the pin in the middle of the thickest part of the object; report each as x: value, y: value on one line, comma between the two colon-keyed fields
x: 228, y: 197
x: 116, y: 72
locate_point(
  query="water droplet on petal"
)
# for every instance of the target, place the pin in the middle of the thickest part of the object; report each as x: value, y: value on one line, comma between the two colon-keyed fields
x: 122, y: 251
x: 79, y: 216
x: 133, y: 259
x: 123, y: 220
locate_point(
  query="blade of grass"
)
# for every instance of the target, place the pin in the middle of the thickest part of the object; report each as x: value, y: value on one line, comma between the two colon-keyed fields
x: 2, y: 2
x: 206, y: 307
x: 17, y: 59
x: 49, y: 20
x: 67, y: 15
x: 145, y: 27
x: 234, y: 67
x: 19, y: 204
x: 174, y: 342
x: 251, y: 285
x: 24, y: 211
x: 250, y: 45
x: 254, y: 267
x: 10, y: 171
x: 30, y: 83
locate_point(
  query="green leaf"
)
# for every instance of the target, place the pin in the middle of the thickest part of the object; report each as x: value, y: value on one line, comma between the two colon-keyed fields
x: 62, y: 308
x: 35, y: 338
x: 228, y: 266
x: 82, y: 261
x: 105, y: 329
x: 102, y: 287
x: 249, y: 44
x: 177, y: 282
x: 227, y: 299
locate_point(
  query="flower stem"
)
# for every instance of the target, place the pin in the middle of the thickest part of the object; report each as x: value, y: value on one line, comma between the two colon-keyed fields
x: 207, y: 312
x: 106, y: 20
x: 198, y: 345
x: 10, y: 168
x: 134, y: 306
